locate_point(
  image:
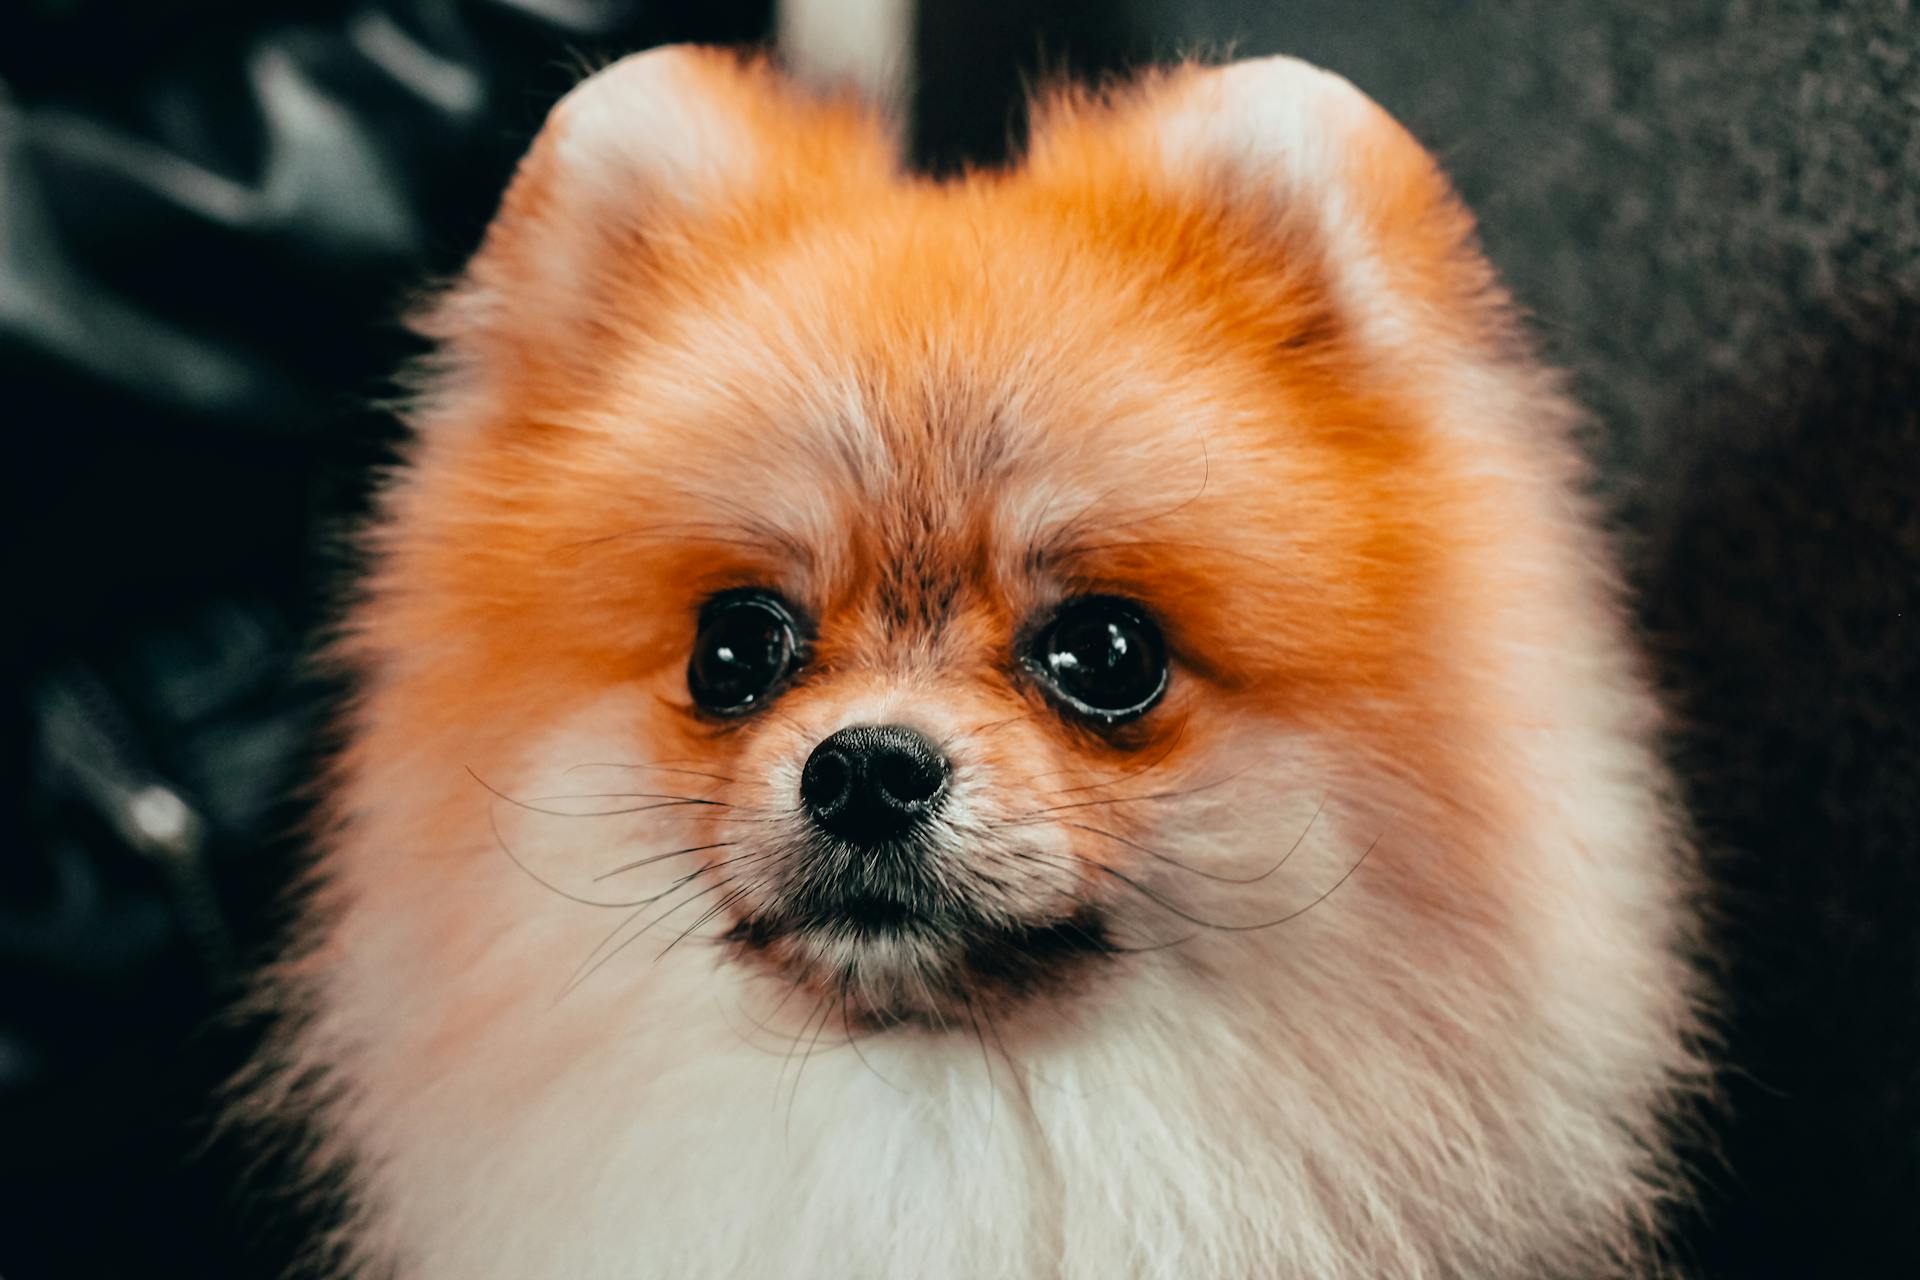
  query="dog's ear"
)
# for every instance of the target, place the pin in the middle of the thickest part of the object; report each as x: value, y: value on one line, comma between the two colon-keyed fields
x: 1324, y: 182
x: 650, y: 176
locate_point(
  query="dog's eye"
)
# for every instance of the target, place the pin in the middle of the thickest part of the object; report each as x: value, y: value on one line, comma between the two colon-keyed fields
x: 1103, y: 657
x: 747, y: 646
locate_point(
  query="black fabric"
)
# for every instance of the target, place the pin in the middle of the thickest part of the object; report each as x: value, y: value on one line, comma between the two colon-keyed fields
x: 210, y: 214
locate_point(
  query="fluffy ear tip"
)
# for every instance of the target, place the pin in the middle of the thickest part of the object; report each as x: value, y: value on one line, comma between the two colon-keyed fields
x: 665, y: 73
x: 1314, y: 122
x: 676, y: 115
x: 1252, y: 83
x: 665, y: 64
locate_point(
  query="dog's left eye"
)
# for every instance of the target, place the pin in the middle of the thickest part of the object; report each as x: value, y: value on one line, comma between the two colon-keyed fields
x: 747, y: 646
x: 1102, y: 657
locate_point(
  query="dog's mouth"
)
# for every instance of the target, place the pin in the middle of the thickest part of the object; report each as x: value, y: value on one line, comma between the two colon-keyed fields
x: 891, y: 962
x: 868, y: 913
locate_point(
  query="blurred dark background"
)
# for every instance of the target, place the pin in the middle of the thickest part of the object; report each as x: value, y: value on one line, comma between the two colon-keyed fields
x: 210, y: 213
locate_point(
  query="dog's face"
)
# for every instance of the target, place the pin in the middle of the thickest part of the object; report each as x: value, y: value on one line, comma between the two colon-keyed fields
x: 1131, y: 606
x: 1012, y: 570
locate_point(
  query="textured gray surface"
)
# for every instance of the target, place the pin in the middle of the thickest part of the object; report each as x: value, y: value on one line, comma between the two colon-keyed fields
x: 1687, y: 196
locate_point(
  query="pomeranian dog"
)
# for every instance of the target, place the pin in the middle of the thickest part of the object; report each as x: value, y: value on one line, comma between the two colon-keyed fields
x: 1070, y: 722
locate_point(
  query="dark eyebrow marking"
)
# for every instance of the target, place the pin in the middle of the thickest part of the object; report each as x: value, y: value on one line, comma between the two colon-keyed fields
x: 748, y: 529
x: 1068, y: 540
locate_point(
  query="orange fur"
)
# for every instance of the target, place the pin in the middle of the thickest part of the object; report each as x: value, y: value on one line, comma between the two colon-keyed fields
x: 928, y: 411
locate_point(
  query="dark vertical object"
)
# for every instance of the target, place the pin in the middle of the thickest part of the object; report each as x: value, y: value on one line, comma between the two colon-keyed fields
x: 975, y: 59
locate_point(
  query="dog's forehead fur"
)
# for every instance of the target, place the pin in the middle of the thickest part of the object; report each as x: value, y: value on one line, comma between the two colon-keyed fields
x: 933, y: 408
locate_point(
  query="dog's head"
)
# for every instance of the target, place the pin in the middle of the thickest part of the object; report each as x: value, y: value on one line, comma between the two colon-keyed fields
x: 1133, y: 605
x: 996, y: 579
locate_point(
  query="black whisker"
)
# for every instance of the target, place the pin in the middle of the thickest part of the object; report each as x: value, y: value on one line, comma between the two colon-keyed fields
x: 494, y: 821
x: 624, y: 795
x: 753, y: 817
x: 669, y: 800
x: 853, y: 1041
x: 645, y: 929
x: 765, y: 1024
x: 598, y: 947
x: 991, y: 725
x: 1104, y: 946
x: 619, y: 813
x: 1154, y: 795
x: 793, y: 1097
x: 662, y: 857
x: 1203, y: 874
x: 793, y: 1050
x: 1230, y: 928
x: 1060, y: 537
x: 578, y: 974
x: 986, y: 1059
x: 725, y: 902
x: 655, y: 767
x: 1014, y: 1069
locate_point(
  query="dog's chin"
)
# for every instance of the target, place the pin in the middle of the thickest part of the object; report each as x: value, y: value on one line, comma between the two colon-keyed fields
x: 891, y: 965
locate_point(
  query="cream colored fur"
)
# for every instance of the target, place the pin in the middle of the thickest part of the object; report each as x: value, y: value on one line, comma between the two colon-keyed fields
x: 1349, y: 1094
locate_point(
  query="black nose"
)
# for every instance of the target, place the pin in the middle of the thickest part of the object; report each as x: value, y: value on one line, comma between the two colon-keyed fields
x: 871, y: 783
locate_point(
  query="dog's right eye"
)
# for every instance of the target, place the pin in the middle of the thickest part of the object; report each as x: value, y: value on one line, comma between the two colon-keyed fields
x: 747, y: 646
